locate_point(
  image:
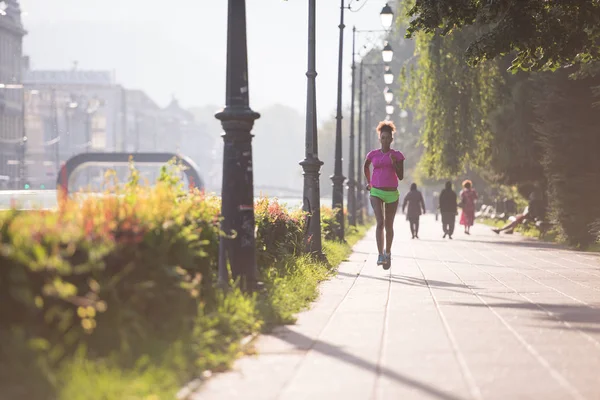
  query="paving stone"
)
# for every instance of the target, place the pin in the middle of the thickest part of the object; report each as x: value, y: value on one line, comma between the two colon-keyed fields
x: 479, y: 317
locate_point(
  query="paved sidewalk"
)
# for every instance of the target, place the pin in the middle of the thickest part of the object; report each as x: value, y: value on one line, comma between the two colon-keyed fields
x: 479, y: 317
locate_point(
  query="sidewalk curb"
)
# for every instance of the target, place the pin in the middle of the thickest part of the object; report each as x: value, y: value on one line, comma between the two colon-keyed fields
x: 192, y: 387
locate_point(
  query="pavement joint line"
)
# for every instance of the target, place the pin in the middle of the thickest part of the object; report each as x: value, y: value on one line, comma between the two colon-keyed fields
x: 562, y: 266
x: 465, y: 371
x: 316, y: 339
x: 541, y: 307
x: 555, y: 374
x: 529, y: 277
x: 572, y: 254
x: 384, y: 335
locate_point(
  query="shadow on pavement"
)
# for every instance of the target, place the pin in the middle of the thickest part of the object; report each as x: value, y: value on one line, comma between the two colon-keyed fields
x: 522, y: 243
x: 430, y: 282
x: 577, y: 314
x: 407, y: 280
x: 299, y: 340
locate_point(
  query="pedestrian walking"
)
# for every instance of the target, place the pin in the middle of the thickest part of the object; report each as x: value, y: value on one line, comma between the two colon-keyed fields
x: 434, y: 205
x: 414, y: 201
x: 468, y: 198
x: 388, y: 168
x: 448, y: 209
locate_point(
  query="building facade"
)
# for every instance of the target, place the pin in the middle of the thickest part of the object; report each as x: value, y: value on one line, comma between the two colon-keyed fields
x: 13, y: 137
x: 70, y: 112
x: 76, y: 111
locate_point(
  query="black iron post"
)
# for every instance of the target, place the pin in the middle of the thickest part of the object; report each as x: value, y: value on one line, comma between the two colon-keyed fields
x: 352, y: 209
x: 237, y: 193
x: 311, y: 164
x: 367, y: 136
x: 360, y: 190
x: 338, y: 178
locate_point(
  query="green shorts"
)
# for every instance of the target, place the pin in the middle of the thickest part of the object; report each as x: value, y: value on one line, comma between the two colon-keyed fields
x: 387, y: 197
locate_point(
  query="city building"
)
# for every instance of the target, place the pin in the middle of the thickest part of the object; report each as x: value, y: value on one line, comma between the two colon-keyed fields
x: 70, y: 112
x: 13, y: 137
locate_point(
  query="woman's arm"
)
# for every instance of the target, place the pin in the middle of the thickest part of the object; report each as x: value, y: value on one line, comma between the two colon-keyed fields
x: 399, y: 166
x: 367, y: 172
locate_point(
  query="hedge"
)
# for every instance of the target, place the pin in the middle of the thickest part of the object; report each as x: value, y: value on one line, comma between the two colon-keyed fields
x: 129, y: 276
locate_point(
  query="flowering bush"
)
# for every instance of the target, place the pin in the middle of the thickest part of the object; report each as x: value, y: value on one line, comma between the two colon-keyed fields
x: 279, y: 232
x: 109, y: 269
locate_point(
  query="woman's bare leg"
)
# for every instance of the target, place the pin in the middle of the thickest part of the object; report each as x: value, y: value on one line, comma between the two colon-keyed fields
x: 377, y: 205
x: 390, y: 214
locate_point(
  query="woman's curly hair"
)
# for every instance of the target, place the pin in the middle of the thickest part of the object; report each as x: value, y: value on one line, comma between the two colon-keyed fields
x: 386, y: 126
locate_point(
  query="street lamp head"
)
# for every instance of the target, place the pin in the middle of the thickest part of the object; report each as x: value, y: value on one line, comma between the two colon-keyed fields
x: 388, y: 95
x: 387, y: 53
x: 389, y: 109
x: 387, y: 16
x: 388, y: 77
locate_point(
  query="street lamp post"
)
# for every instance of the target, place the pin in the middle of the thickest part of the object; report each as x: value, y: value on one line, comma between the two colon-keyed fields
x: 338, y: 178
x: 311, y: 165
x: 352, y: 209
x: 237, y: 193
x: 359, y: 169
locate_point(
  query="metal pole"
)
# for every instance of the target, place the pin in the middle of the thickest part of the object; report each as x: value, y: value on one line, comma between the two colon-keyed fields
x: 359, y: 170
x: 56, y: 130
x: 367, y: 134
x: 311, y: 165
x: 237, y: 193
x: 352, y: 210
x: 338, y: 178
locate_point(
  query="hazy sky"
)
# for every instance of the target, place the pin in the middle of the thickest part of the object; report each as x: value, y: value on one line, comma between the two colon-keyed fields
x: 178, y: 46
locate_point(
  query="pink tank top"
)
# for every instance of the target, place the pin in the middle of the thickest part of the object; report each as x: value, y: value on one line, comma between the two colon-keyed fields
x: 384, y: 174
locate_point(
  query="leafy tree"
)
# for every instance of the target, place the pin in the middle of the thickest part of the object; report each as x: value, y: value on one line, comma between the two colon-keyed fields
x: 452, y: 101
x: 544, y: 34
x: 570, y: 139
x: 514, y: 151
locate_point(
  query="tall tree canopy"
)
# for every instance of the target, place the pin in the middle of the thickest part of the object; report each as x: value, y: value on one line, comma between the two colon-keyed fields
x: 544, y: 34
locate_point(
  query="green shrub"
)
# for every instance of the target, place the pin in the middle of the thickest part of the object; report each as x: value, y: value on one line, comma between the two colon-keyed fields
x: 117, y: 290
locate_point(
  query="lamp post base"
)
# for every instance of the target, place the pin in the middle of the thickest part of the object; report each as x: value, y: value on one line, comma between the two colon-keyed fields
x: 338, y: 203
x: 311, y: 204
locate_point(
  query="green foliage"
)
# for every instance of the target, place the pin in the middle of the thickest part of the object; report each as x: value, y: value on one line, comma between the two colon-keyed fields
x: 514, y: 150
x: 329, y: 223
x: 453, y: 102
x: 279, y: 231
x: 570, y: 140
x: 112, y: 297
x: 545, y: 35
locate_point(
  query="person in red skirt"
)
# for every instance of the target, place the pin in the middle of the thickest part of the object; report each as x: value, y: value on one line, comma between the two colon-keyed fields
x: 468, y: 197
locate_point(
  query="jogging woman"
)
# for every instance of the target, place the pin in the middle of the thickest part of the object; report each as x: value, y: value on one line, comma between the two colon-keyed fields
x: 388, y: 168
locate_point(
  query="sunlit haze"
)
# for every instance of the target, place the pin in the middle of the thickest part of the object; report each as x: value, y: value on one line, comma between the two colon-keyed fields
x: 178, y: 47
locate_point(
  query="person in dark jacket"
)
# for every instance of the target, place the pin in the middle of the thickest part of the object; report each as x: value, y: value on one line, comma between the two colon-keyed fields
x: 449, y: 209
x: 415, y: 202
